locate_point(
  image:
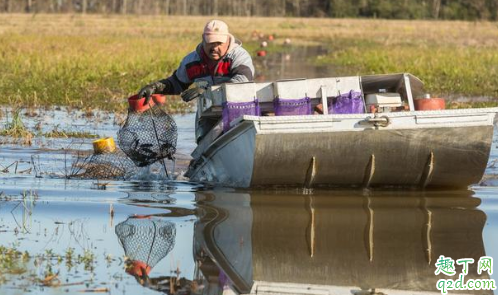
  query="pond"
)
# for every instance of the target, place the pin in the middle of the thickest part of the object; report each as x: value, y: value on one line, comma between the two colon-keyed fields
x: 148, y: 235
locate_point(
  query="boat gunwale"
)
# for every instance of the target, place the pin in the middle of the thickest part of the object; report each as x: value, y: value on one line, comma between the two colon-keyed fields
x: 329, y: 117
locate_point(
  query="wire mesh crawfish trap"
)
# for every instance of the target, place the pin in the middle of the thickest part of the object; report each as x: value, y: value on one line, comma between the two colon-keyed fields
x: 145, y: 241
x: 110, y: 165
x: 149, y: 134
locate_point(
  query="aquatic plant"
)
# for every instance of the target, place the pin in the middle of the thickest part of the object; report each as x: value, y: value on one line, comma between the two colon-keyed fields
x: 16, y: 266
x: 15, y: 128
x: 87, y: 259
x: 12, y: 261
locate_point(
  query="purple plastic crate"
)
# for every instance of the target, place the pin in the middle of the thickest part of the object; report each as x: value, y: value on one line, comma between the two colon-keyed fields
x: 347, y: 103
x: 234, y: 110
x: 292, y: 107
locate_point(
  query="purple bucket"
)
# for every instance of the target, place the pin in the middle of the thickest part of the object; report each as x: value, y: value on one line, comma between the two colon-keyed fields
x: 234, y: 110
x: 292, y: 107
x: 347, y: 103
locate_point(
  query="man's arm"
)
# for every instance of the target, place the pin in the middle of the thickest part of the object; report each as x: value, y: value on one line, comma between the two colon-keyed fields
x: 171, y: 85
x: 242, y: 67
x: 174, y: 84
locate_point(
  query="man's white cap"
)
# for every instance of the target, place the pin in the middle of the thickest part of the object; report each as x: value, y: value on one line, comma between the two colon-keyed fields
x: 216, y: 31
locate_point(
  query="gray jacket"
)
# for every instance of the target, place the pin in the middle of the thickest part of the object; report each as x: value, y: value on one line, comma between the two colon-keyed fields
x: 235, y: 66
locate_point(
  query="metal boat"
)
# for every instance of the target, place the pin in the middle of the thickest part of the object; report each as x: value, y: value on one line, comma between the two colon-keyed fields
x: 386, y: 142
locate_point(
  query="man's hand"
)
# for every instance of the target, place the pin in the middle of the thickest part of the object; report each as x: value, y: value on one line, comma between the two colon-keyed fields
x: 194, y: 91
x: 160, y: 87
x: 191, y: 94
x: 147, y: 92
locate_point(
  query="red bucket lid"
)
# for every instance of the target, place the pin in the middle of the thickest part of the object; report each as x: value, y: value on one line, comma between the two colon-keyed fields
x: 138, y: 105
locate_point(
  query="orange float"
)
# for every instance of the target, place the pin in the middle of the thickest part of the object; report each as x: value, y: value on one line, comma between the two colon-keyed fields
x: 429, y: 104
x: 261, y: 53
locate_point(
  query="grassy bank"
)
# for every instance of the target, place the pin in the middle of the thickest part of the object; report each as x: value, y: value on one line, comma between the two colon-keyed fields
x: 452, y: 58
x: 84, y: 61
x: 98, y: 61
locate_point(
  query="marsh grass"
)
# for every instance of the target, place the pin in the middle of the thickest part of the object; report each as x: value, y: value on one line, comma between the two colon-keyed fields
x: 94, y: 62
x: 56, y: 133
x: 91, y: 61
x: 16, y: 129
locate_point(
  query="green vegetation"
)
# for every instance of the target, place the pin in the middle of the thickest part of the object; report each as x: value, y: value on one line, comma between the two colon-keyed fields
x: 451, y: 58
x: 58, y: 60
x: 91, y: 61
x: 15, y: 128
x: 445, y: 71
x: 413, y: 9
x: 14, y: 262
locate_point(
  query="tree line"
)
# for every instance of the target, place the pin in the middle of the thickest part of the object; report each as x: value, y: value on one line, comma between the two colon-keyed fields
x: 389, y: 9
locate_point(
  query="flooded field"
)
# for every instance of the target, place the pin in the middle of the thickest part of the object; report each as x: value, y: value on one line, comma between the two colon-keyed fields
x: 61, y: 234
x: 148, y: 235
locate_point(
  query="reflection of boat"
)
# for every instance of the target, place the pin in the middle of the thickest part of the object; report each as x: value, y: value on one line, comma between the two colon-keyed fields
x: 336, y: 244
x: 395, y: 145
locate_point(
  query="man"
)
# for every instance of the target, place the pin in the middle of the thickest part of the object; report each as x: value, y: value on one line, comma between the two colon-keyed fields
x: 218, y: 59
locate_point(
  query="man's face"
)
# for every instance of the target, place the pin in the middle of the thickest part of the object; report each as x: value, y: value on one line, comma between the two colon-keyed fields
x: 215, y: 50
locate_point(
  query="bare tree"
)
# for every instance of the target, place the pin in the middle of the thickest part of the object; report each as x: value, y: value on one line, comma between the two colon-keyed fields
x: 58, y: 5
x: 215, y: 8
x: 7, y: 6
x: 436, y: 6
x: 113, y: 6
x: 297, y: 8
x: 123, y: 6
x: 166, y: 9
x: 29, y: 4
x: 138, y: 8
x: 446, y: 9
x: 157, y: 7
x: 480, y: 8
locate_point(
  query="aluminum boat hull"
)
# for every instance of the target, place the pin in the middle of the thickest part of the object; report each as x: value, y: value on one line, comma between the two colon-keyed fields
x: 422, y: 149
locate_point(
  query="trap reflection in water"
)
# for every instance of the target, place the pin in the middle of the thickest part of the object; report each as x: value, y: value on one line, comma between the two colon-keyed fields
x: 311, y: 244
x: 145, y: 240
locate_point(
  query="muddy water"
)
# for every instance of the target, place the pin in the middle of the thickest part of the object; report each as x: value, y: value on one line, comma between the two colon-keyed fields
x: 203, y: 241
x: 84, y: 235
